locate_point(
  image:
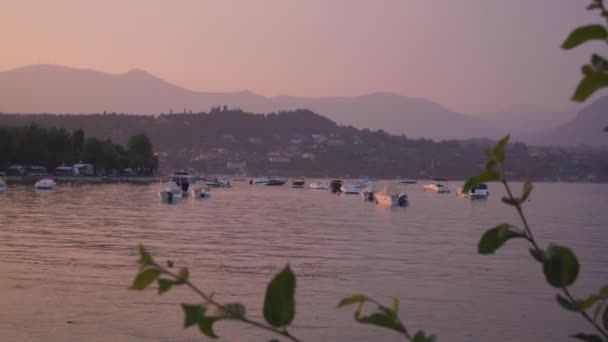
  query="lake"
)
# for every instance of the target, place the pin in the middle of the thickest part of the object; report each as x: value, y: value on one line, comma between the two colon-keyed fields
x: 69, y: 256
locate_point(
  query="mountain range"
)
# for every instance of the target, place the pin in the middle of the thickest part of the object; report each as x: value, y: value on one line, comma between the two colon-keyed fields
x: 65, y: 90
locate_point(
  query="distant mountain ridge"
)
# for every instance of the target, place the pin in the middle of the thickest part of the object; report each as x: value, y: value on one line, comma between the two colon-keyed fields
x: 59, y: 89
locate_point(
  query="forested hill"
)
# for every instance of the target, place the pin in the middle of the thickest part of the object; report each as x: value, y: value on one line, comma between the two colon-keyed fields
x: 301, y: 142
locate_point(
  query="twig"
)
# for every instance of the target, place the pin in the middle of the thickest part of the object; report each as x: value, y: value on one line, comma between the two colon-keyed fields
x: 209, y: 299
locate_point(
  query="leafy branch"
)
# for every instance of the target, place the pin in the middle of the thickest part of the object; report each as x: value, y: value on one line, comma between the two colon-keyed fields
x: 560, y: 265
x: 595, y: 74
x: 279, y: 303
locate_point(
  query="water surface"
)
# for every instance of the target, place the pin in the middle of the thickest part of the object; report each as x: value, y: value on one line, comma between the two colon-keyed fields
x: 69, y: 256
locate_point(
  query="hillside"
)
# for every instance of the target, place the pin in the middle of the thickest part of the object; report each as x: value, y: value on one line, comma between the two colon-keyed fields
x: 56, y: 89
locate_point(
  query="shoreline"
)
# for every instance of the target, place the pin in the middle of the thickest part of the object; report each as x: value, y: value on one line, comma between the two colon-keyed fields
x: 87, y: 179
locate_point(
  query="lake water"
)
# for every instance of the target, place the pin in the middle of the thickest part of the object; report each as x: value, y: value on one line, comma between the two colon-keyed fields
x: 69, y: 255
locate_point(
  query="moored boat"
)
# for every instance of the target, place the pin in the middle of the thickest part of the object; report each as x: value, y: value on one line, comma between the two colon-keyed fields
x: 317, y: 185
x: 438, y: 188
x: 335, y: 186
x: 389, y: 197
x: 479, y: 191
x: 45, y: 184
x: 298, y: 183
x: 183, y: 180
x: 170, y: 192
x: 349, y: 189
x: 276, y: 182
x: 260, y: 180
x: 201, y: 192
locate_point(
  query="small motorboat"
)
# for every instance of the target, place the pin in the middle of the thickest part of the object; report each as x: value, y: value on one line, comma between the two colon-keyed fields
x: 45, y: 184
x: 388, y: 197
x: 201, y: 192
x: 260, y: 181
x: 276, y: 182
x: 336, y: 186
x: 368, y: 195
x: 183, y: 180
x: 218, y: 184
x: 350, y: 189
x: 317, y: 185
x: 3, y: 185
x: 437, y: 188
x: 170, y: 192
x: 479, y: 191
x: 298, y: 183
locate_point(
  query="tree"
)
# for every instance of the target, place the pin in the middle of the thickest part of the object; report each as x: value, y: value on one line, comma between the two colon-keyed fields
x: 141, y: 154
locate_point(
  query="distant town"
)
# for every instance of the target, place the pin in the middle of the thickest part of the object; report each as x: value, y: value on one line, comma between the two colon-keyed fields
x: 228, y: 141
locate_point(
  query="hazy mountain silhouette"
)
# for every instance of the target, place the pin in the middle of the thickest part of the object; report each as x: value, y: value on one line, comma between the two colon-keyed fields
x: 585, y: 129
x: 526, y: 119
x: 58, y: 89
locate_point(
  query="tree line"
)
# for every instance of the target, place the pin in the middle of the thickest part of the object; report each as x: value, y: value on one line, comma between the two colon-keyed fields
x: 52, y: 147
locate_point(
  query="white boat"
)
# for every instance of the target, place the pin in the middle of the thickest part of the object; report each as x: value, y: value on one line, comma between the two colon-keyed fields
x: 260, y: 180
x: 183, y: 180
x: 3, y: 185
x: 317, y: 185
x: 436, y: 188
x: 479, y: 191
x: 368, y: 194
x: 218, y: 184
x: 170, y: 192
x: 201, y: 192
x: 45, y: 184
x: 276, y: 182
x: 391, y: 197
x: 350, y: 189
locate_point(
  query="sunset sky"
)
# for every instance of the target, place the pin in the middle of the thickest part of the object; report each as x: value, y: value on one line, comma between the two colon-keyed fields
x: 469, y: 55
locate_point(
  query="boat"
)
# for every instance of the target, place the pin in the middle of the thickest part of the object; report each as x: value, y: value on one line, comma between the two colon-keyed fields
x: 408, y: 181
x: 350, y: 189
x: 3, y: 185
x: 276, y: 182
x: 218, y: 184
x: 170, y: 192
x: 45, y: 184
x: 298, y: 183
x: 201, y: 192
x: 335, y: 186
x: 437, y: 187
x: 368, y: 194
x: 479, y: 191
x: 390, y: 197
x: 317, y: 185
x: 183, y: 180
x: 362, y: 184
x: 260, y: 181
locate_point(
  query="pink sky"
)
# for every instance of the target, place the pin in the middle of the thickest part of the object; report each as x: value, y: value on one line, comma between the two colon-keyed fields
x: 470, y: 55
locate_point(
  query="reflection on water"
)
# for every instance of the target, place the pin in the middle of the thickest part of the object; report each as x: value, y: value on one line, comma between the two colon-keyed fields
x: 68, y: 256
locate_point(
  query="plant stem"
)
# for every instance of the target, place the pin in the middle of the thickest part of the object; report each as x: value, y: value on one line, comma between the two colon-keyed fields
x: 384, y: 308
x: 530, y: 238
x: 209, y: 299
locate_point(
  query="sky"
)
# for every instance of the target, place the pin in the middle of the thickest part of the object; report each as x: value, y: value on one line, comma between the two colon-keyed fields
x: 468, y: 55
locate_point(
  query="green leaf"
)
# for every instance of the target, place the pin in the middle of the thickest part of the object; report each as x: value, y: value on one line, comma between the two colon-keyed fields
x: 279, y: 302
x: 164, y: 285
x: 193, y: 314
x: 145, y: 259
x: 498, y: 152
x: 588, y: 337
x: 383, y: 320
x: 604, y: 291
x: 510, y: 201
x: 234, y: 310
x: 605, y: 318
x: 485, y: 176
x: 598, y: 310
x: 560, y: 266
x: 589, y: 85
x: 395, y: 305
x: 490, y: 164
x: 352, y: 300
x: 495, y: 237
x: 589, y: 301
x: 182, y: 276
x: 584, y: 34
x: 420, y: 337
x: 537, y: 254
x: 145, y: 278
x: 525, y: 193
x: 206, y: 326
x: 567, y: 304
